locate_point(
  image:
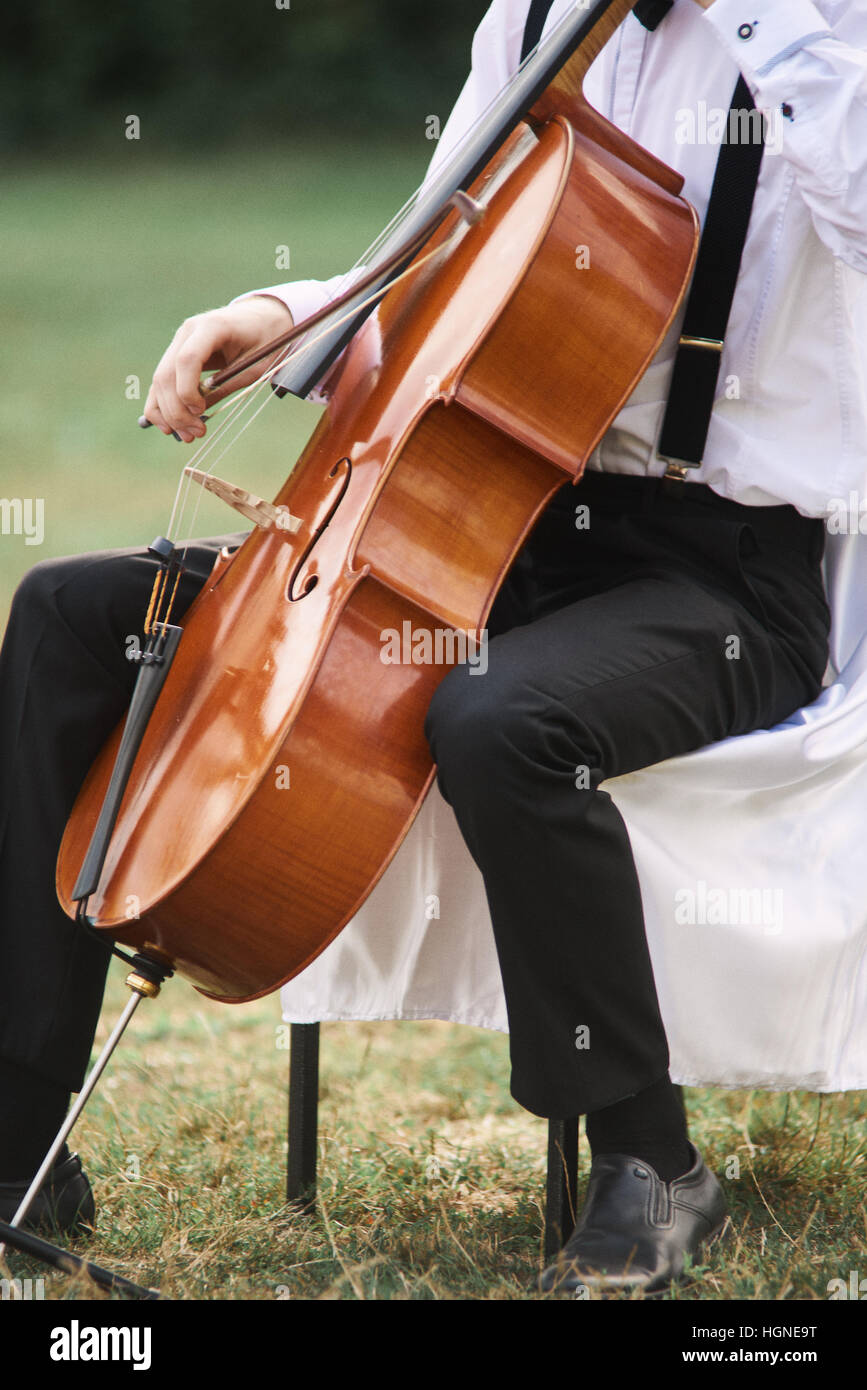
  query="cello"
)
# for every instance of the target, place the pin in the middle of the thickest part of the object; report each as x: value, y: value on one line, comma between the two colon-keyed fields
x: 282, y: 760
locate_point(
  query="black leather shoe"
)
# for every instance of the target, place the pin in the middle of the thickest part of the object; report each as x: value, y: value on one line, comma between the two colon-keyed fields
x: 65, y: 1202
x: 635, y: 1230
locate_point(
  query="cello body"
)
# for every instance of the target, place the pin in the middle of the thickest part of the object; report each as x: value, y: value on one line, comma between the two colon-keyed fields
x: 286, y: 759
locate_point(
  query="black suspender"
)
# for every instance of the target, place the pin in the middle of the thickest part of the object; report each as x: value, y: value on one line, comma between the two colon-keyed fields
x: 650, y: 12
x: 534, y: 26
x: 697, y: 362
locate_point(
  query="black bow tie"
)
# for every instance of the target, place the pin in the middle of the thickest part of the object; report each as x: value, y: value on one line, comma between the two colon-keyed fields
x: 651, y: 12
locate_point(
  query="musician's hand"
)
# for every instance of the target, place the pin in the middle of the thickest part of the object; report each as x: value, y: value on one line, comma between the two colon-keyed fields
x: 207, y: 342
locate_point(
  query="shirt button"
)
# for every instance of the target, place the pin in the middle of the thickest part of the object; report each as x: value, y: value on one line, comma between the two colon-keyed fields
x: 746, y: 31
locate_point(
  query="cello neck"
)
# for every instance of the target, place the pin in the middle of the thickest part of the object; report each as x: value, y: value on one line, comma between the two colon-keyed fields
x: 560, y: 62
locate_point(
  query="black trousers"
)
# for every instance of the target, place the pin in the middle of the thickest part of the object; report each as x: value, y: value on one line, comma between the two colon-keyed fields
x: 664, y: 624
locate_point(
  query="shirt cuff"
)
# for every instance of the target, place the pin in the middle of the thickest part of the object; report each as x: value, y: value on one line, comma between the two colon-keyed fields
x: 761, y: 33
x: 301, y: 297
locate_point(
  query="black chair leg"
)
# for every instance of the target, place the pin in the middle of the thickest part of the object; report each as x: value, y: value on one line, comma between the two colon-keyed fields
x: 561, y: 1204
x: 562, y: 1184
x: 303, y: 1115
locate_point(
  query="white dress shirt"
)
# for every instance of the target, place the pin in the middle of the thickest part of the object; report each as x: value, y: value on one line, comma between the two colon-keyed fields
x: 790, y: 420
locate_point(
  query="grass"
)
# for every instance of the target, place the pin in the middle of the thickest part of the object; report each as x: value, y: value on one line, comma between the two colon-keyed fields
x: 431, y: 1178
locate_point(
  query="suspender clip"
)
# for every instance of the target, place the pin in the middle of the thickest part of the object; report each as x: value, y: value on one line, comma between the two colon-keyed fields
x: 710, y: 344
x: 675, y: 475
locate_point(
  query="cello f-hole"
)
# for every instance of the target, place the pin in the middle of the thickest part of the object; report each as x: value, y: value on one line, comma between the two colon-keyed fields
x: 294, y: 590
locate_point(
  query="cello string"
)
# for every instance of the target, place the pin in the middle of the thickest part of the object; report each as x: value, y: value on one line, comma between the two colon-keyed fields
x: 236, y: 404
x: 230, y: 444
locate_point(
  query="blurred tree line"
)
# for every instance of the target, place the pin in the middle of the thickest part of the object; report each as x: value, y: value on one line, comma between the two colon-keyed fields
x: 215, y: 74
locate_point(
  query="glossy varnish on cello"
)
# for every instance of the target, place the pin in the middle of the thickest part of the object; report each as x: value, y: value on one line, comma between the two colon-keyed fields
x: 477, y: 388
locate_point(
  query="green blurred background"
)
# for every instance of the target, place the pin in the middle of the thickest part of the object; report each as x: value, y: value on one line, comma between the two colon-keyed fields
x: 260, y: 127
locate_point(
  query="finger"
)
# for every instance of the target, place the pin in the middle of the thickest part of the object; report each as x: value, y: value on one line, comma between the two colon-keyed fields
x: 209, y: 343
x: 152, y: 415
x: 175, y: 387
x: 179, y: 418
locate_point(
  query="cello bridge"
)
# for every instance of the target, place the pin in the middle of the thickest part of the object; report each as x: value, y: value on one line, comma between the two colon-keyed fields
x: 265, y: 515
